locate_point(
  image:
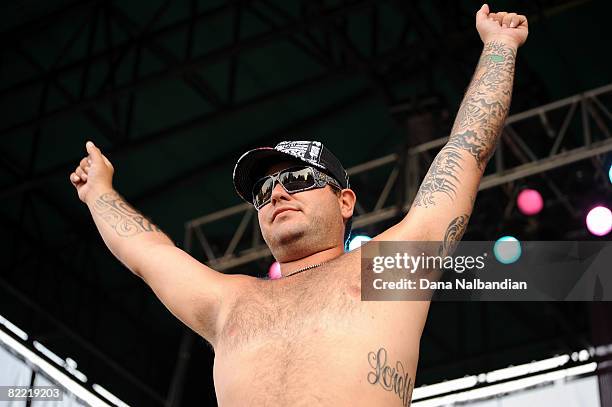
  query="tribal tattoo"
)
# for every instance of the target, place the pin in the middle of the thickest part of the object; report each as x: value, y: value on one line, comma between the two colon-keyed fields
x: 441, y: 177
x: 393, y: 379
x: 454, y: 233
x: 121, y: 216
x: 478, y: 125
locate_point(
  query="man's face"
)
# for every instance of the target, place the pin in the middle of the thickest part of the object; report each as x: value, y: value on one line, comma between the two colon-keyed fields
x: 300, y: 224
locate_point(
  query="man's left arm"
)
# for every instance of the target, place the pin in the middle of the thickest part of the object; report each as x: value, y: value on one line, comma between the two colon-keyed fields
x: 444, y: 201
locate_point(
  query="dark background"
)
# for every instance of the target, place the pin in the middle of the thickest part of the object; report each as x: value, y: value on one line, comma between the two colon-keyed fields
x: 174, y: 91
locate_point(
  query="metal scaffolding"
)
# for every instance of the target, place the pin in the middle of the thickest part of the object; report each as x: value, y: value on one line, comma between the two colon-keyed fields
x: 334, y: 51
x: 514, y: 159
x: 108, y: 57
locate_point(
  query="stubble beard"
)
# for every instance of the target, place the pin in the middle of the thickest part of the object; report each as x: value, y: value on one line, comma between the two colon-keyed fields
x: 300, y: 238
x: 289, y: 242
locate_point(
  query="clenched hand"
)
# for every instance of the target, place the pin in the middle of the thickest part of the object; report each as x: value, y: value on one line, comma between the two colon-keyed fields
x: 510, y: 27
x: 94, y: 172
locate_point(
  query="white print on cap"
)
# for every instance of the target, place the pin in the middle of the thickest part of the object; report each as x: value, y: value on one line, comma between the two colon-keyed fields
x: 306, y: 150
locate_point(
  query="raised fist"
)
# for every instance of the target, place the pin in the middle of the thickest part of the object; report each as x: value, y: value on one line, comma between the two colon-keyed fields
x: 508, y: 27
x: 94, y: 172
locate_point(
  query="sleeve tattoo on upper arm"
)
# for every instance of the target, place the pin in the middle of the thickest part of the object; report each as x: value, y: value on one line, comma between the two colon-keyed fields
x: 121, y: 216
x: 478, y: 124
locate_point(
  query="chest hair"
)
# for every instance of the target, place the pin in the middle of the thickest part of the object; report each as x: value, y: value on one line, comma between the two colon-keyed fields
x: 287, y: 308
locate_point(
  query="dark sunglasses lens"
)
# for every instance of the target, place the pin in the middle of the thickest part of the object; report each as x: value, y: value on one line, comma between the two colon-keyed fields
x: 262, y: 191
x: 298, y: 179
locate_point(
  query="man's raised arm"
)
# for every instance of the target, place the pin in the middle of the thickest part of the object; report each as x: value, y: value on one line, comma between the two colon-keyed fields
x: 189, y: 289
x: 444, y: 202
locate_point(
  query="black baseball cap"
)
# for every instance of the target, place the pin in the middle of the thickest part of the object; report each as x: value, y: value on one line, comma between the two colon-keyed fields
x: 251, y: 166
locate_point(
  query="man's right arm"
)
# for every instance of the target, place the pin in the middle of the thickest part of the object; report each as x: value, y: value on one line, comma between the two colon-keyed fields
x: 192, y: 291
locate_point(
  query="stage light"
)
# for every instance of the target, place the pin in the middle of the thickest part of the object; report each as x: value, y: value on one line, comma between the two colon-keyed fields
x: 48, y: 353
x: 526, y: 369
x: 599, y: 221
x: 446, y: 386
x: 610, y: 173
x: 357, y: 241
x: 274, y: 271
x: 513, y: 378
x: 13, y: 328
x: 53, y: 373
x: 507, y: 249
x: 529, y: 202
x: 108, y: 395
x: 506, y: 387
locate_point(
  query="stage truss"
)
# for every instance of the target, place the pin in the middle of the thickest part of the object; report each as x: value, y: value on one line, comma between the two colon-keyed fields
x: 517, y: 157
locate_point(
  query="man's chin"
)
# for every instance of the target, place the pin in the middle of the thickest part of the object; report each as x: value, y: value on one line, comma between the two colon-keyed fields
x: 287, y: 234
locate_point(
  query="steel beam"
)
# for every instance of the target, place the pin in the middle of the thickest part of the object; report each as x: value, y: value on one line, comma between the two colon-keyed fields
x: 211, y: 57
x: 501, y: 174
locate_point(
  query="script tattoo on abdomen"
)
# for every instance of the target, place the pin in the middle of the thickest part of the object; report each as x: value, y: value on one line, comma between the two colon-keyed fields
x: 393, y: 379
x: 121, y: 216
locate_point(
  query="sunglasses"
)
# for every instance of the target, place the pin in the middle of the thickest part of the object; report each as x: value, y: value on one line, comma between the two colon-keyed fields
x: 294, y: 179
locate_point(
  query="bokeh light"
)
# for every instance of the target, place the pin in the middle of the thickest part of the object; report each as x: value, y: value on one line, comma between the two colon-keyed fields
x: 274, y: 272
x: 599, y: 221
x: 357, y: 241
x: 529, y: 202
x: 507, y: 249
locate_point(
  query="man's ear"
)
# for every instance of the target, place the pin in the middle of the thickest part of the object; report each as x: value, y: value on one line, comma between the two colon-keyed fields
x: 347, y: 203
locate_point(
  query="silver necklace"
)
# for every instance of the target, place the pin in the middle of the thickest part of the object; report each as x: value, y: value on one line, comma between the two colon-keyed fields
x: 305, y: 268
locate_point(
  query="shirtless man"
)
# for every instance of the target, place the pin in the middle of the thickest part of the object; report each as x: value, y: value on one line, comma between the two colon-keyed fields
x: 307, y: 339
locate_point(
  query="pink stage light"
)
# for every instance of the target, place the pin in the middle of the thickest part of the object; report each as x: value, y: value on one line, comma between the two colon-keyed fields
x: 529, y: 202
x: 599, y: 221
x: 274, y: 272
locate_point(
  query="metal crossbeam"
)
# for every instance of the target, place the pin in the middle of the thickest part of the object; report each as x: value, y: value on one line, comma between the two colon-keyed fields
x: 86, y: 100
x: 184, y: 67
x: 595, y: 140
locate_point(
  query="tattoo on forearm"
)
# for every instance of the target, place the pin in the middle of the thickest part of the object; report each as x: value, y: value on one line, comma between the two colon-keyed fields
x: 393, y: 379
x: 441, y: 178
x: 478, y: 124
x: 484, y: 109
x: 121, y: 216
x: 454, y: 233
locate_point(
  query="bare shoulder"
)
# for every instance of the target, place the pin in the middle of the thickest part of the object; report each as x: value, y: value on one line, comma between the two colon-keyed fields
x: 235, y: 285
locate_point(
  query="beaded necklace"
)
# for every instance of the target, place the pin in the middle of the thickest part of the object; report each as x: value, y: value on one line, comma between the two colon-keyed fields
x: 304, y: 269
